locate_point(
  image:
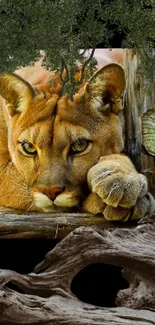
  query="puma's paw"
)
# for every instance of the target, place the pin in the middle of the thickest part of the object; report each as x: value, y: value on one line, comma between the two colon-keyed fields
x: 93, y: 204
x: 144, y: 206
x: 116, y: 181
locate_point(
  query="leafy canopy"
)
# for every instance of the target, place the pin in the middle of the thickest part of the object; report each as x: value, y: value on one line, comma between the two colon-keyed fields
x: 61, y: 28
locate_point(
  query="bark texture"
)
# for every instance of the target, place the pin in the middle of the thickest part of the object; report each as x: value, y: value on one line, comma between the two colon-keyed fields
x: 57, y: 225
x: 45, y: 296
x: 139, y: 99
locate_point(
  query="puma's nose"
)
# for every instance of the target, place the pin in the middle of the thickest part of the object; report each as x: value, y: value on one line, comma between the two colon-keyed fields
x: 53, y: 192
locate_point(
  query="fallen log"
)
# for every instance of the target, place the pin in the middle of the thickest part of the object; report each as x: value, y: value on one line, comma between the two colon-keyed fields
x: 55, y: 225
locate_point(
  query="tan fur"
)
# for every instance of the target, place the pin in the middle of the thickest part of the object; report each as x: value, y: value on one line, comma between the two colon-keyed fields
x: 55, y: 178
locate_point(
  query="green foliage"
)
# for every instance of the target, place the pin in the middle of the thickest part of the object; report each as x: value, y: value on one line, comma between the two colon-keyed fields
x: 61, y: 27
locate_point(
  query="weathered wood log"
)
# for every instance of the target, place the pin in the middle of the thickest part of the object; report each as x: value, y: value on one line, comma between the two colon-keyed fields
x: 57, y: 225
x: 47, y: 296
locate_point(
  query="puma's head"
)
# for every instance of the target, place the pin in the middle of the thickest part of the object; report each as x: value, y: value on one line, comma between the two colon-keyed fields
x: 53, y: 142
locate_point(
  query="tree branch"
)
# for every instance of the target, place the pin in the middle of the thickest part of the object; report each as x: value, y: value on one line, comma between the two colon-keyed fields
x: 84, y: 66
x: 64, y: 69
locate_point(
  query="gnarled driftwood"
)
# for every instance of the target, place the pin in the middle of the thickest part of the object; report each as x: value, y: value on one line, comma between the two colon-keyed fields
x: 47, y: 297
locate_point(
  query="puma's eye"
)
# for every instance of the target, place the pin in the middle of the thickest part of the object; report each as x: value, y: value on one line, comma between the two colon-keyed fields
x: 29, y: 148
x: 79, y: 145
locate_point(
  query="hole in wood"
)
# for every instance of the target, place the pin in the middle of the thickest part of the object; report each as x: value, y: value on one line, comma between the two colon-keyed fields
x: 98, y: 284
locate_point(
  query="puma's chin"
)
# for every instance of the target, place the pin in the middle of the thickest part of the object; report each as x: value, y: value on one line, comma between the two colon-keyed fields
x: 64, y: 200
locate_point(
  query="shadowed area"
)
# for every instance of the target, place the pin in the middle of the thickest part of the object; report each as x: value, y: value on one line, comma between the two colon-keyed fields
x: 22, y: 255
x: 98, y: 284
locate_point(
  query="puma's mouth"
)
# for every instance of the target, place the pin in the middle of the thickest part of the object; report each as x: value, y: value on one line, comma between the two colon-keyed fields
x: 43, y: 202
x: 67, y: 199
x: 64, y: 200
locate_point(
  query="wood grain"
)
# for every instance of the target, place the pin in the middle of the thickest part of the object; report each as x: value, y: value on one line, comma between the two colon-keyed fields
x: 57, y: 225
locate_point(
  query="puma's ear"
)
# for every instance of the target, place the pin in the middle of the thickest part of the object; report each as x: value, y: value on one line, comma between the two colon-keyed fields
x: 16, y: 91
x: 105, y: 89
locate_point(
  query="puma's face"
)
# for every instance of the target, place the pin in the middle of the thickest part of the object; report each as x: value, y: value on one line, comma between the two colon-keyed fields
x: 54, y: 142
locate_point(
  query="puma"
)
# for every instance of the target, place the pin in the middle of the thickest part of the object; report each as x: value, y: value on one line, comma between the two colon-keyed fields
x: 57, y: 154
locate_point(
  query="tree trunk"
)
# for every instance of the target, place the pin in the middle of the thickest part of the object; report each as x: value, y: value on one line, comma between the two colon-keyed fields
x: 140, y: 97
x: 47, y: 296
